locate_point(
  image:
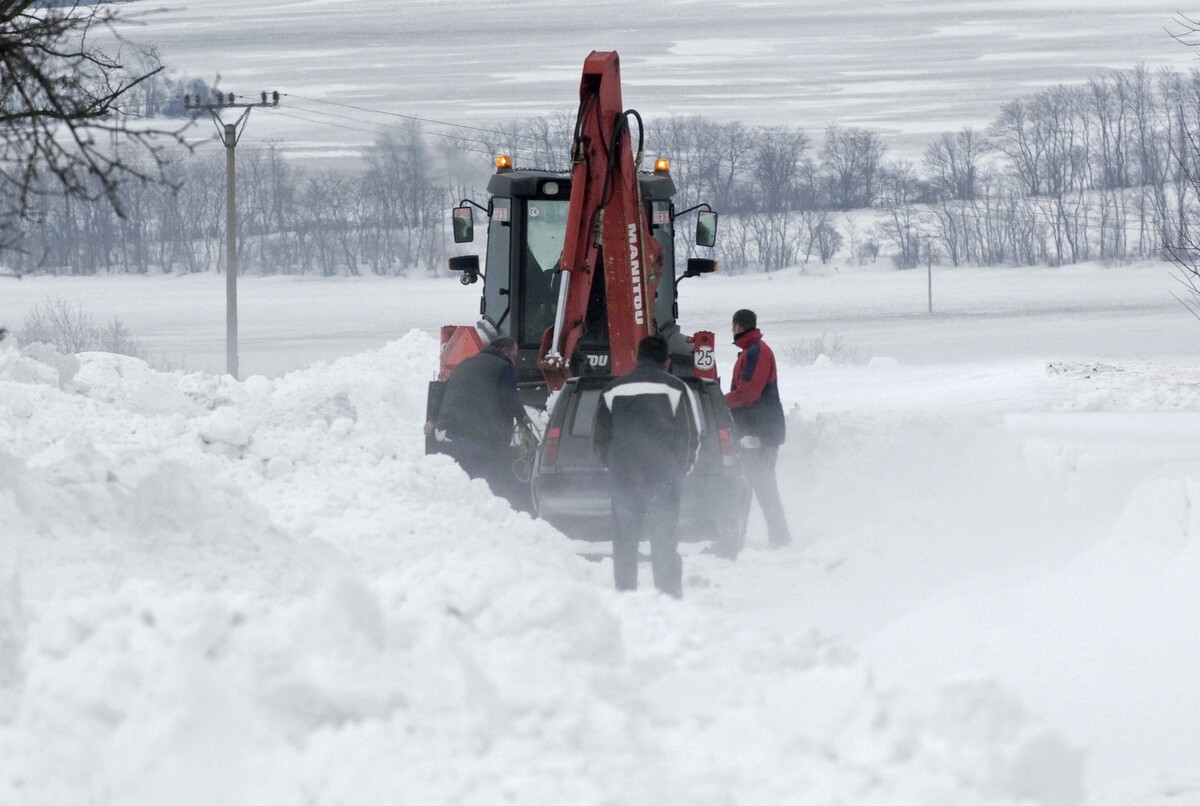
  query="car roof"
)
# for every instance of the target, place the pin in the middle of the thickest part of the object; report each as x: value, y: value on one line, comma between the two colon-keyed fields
x: 600, y: 381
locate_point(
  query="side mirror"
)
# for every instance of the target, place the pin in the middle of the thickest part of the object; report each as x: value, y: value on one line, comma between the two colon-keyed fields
x: 468, y: 265
x: 464, y: 225
x: 706, y: 228
x: 700, y: 265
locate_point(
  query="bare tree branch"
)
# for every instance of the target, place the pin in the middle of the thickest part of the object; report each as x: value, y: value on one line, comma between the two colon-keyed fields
x: 63, y: 128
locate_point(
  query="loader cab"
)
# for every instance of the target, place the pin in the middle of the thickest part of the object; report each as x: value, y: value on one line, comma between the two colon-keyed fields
x: 526, y: 217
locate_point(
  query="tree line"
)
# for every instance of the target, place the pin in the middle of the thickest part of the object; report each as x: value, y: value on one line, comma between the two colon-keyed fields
x: 1070, y: 173
x: 1067, y: 174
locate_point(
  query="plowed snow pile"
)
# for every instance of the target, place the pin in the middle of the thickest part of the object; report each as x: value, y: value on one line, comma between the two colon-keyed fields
x: 263, y: 592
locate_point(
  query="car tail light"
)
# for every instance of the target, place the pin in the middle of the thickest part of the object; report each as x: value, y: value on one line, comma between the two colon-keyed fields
x: 550, y: 448
x: 725, y: 436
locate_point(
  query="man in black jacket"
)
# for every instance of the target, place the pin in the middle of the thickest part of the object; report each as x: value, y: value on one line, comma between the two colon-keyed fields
x: 477, y: 416
x: 647, y: 432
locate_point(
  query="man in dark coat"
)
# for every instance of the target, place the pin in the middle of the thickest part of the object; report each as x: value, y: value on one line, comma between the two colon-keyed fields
x: 478, y: 414
x: 753, y: 400
x: 647, y: 432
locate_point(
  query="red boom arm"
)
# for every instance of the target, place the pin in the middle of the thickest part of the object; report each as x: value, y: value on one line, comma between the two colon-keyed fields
x: 606, y: 224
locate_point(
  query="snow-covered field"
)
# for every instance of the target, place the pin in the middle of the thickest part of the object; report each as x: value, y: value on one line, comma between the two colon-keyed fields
x: 910, y: 70
x: 262, y: 592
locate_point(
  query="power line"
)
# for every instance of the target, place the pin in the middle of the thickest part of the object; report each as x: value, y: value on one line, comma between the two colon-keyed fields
x: 359, y: 129
x: 458, y: 141
x: 417, y: 118
x: 538, y: 145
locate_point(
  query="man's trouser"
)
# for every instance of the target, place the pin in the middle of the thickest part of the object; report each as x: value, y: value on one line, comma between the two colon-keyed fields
x: 650, y: 511
x: 759, y: 464
x: 491, y: 463
x: 473, y: 457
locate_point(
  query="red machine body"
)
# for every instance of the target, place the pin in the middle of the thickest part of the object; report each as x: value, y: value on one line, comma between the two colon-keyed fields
x: 458, y: 344
x: 617, y: 225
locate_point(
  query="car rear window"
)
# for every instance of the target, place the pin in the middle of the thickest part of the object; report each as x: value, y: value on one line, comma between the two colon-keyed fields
x: 582, y: 413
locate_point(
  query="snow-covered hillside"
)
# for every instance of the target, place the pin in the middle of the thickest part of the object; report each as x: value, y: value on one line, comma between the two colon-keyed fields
x: 351, y: 68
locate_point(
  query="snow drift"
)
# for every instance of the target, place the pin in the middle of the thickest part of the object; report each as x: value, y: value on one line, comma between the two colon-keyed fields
x: 263, y: 592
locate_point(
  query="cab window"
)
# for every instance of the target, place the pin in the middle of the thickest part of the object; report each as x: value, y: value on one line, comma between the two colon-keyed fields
x: 545, y: 228
x: 495, y: 305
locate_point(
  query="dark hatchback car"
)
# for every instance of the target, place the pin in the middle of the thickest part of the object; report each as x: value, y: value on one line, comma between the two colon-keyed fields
x: 570, y: 485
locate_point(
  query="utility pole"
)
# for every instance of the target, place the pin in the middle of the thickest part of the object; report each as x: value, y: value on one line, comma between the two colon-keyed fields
x: 230, y: 133
x: 929, y: 269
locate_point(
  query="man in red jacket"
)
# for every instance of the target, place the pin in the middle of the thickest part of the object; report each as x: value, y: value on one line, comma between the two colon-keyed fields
x: 757, y: 412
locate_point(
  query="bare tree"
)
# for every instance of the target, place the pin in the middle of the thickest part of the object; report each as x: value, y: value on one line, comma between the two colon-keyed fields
x: 851, y: 163
x: 726, y: 151
x: 820, y: 235
x: 270, y: 195
x: 61, y: 110
x: 1180, y: 119
x: 1184, y: 252
x: 1111, y: 104
x: 737, y: 245
x: 1018, y: 135
x: 777, y: 168
x: 952, y: 164
x: 1061, y: 114
x: 776, y: 239
x: 902, y: 224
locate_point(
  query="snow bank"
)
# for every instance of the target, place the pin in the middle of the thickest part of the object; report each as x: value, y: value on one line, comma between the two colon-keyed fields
x: 264, y: 592
x: 1035, y: 523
